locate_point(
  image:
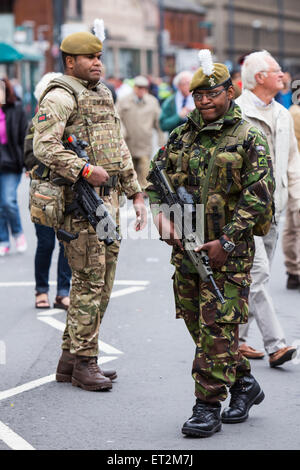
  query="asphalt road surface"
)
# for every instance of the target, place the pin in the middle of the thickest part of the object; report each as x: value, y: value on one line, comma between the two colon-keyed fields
x: 151, y: 351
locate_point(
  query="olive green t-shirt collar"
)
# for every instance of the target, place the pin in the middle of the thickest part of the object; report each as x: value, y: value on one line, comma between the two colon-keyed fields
x: 231, y: 117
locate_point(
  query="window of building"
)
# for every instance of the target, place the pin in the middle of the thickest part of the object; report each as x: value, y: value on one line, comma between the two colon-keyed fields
x: 108, y: 60
x: 150, y: 62
x: 130, y: 63
x: 73, y: 9
x: 6, y: 6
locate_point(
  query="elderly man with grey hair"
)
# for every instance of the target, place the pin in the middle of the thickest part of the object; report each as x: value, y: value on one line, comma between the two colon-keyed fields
x: 176, y: 108
x: 262, y: 79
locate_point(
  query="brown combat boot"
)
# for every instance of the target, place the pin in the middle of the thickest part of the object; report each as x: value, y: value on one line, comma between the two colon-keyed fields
x: 87, y: 375
x: 65, y: 368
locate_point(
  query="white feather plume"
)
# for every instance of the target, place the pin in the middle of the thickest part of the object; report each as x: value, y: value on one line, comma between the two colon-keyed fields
x: 99, y: 29
x: 206, y: 62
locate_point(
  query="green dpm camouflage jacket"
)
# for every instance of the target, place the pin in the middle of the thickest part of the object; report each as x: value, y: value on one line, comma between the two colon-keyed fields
x: 241, y: 182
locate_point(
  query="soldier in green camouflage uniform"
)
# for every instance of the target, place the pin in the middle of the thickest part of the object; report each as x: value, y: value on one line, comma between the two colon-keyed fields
x: 78, y: 103
x: 239, y: 191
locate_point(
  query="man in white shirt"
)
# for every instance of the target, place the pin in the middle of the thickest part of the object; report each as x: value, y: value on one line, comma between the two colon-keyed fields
x: 262, y: 79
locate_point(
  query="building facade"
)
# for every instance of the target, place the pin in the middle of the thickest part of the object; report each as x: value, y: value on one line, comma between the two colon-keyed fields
x: 242, y: 26
x: 185, y: 34
x: 154, y: 37
x: 130, y: 47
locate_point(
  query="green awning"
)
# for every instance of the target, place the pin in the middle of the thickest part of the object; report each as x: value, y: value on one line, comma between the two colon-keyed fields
x: 31, y: 56
x: 9, y: 53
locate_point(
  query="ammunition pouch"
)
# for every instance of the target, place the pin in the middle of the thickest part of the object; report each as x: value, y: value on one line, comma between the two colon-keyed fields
x: 47, y: 203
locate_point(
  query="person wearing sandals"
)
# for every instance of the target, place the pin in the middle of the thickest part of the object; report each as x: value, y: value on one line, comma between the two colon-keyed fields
x: 46, y: 235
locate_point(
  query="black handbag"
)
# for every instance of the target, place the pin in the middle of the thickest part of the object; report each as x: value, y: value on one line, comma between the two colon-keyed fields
x: 7, y: 163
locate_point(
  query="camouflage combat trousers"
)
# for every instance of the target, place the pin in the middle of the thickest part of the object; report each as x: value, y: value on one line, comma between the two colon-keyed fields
x: 214, y: 329
x: 93, y: 267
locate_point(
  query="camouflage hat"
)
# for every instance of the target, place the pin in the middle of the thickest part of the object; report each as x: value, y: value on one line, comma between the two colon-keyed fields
x: 81, y: 43
x: 209, y: 75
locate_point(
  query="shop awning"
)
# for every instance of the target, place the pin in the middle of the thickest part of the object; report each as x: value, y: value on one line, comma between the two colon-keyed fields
x: 9, y: 53
x: 30, y: 53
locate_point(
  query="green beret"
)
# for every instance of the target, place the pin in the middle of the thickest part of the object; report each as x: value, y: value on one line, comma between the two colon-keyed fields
x: 200, y: 80
x: 81, y: 44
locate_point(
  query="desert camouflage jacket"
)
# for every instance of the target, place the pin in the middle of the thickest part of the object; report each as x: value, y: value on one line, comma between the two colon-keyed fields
x: 94, y: 119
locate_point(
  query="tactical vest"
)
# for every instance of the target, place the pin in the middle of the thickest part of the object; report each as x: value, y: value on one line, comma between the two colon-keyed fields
x: 94, y: 120
x: 221, y: 186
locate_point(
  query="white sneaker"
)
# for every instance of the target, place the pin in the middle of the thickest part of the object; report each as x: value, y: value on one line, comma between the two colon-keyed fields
x: 21, y: 243
x: 4, y: 250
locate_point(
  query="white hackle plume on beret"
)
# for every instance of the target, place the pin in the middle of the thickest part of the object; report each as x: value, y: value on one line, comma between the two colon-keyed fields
x: 99, y: 29
x: 206, y: 62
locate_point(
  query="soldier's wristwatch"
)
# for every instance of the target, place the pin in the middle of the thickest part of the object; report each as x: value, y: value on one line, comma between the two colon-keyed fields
x: 227, y: 245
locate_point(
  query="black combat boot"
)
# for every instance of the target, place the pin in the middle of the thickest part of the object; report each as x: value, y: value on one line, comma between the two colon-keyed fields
x: 293, y: 281
x: 244, y: 393
x: 205, y: 421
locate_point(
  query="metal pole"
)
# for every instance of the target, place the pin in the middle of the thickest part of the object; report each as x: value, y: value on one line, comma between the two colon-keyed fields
x: 160, y: 38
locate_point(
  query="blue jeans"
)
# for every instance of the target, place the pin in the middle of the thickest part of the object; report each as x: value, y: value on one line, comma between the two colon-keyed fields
x: 9, y: 209
x: 44, y: 250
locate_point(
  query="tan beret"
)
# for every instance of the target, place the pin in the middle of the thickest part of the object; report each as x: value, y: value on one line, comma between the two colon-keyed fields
x: 200, y: 80
x: 81, y: 44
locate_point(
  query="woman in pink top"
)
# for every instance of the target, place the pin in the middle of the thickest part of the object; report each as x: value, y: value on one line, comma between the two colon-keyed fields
x: 13, y: 124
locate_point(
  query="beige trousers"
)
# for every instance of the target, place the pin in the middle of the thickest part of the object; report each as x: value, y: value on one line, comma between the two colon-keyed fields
x: 261, y: 306
x: 141, y: 166
x: 291, y: 241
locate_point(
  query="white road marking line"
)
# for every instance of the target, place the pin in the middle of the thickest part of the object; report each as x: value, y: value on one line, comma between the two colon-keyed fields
x: 108, y: 349
x: 23, y: 284
x: 104, y: 347
x: 118, y: 293
x: 51, y: 311
x: 44, y: 380
x: 25, y: 387
x: 13, y: 440
x: 53, y: 322
x: 129, y: 290
x: 53, y: 283
x: 131, y: 283
x: 9, y: 437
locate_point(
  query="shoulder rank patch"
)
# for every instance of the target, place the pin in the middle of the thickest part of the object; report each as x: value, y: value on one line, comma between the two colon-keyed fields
x: 42, y: 118
x: 262, y: 161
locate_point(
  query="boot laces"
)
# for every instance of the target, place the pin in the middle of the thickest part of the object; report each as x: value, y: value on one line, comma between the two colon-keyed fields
x: 236, y: 391
x: 93, y: 366
x: 201, y: 410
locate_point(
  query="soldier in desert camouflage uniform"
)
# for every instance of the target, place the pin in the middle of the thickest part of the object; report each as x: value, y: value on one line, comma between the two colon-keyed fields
x: 77, y: 103
x: 240, y: 190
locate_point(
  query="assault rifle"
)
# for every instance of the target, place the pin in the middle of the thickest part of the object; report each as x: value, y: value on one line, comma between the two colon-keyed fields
x: 87, y: 203
x: 184, y: 212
